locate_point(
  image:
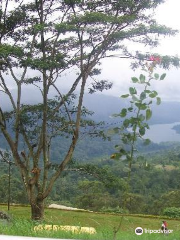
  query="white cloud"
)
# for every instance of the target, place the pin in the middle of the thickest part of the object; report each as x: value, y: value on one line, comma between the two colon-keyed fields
x: 120, y: 73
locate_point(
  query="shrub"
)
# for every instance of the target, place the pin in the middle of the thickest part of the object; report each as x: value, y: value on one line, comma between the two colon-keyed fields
x: 172, y: 212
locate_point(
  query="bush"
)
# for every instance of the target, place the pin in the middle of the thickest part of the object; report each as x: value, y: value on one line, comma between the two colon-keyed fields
x: 172, y: 212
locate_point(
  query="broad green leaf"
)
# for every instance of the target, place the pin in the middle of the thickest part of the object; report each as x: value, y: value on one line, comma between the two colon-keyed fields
x: 142, y: 131
x: 147, y: 91
x: 138, y: 105
x: 123, y: 112
x: 163, y: 76
x: 130, y: 109
x: 141, y: 106
x: 141, y: 117
x: 126, y: 123
x: 132, y: 90
x: 134, y: 79
x: 153, y: 94
x: 142, y: 78
x: 125, y: 96
x: 158, y: 100
x: 133, y: 121
x: 156, y: 76
x: 143, y: 96
x: 148, y: 114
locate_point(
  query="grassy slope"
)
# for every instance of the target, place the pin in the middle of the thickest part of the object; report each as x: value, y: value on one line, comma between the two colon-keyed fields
x: 103, y: 223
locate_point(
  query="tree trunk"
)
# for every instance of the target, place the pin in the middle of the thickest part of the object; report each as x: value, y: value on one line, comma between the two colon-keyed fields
x: 37, y: 210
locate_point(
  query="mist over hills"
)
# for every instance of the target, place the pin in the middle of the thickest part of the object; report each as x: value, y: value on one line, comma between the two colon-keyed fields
x: 104, y: 106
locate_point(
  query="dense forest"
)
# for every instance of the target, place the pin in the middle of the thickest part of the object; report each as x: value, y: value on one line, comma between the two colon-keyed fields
x: 96, y: 182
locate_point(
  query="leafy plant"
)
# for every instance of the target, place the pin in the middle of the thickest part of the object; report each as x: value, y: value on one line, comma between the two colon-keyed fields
x: 172, y: 212
x: 137, y: 113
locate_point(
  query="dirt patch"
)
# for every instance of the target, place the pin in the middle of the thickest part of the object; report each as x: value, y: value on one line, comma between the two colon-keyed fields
x: 57, y: 206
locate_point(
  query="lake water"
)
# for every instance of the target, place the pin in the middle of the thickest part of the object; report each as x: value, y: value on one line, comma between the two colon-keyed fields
x: 163, y: 133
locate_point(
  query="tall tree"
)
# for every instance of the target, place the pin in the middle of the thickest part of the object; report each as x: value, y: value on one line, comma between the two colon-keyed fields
x: 41, y: 40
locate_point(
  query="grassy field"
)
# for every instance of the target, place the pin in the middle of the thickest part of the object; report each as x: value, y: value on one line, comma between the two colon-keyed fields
x: 103, y: 223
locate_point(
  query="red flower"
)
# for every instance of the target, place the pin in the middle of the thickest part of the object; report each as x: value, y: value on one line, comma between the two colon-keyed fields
x: 155, y: 59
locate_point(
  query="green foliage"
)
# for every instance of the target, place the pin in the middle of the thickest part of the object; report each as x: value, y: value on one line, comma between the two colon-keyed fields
x: 99, y: 86
x: 134, y: 126
x: 134, y: 203
x: 17, y: 189
x: 93, y: 196
x: 169, y: 199
x: 134, y: 80
x: 123, y: 112
x: 132, y: 90
x: 163, y: 76
x: 148, y: 114
x: 158, y: 100
x: 125, y: 96
x: 157, y: 186
x: 104, y: 175
x: 172, y: 212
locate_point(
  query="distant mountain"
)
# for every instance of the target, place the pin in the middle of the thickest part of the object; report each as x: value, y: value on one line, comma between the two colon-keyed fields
x: 104, y: 106
x: 167, y: 112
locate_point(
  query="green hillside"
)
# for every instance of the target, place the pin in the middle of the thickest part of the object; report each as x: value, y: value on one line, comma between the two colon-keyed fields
x: 105, y: 225
x: 99, y: 184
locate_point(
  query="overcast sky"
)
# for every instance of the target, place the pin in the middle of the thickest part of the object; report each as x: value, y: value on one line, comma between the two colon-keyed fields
x: 118, y: 70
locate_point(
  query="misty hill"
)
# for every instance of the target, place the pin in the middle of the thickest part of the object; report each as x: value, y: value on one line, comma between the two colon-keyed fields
x: 104, y: 106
